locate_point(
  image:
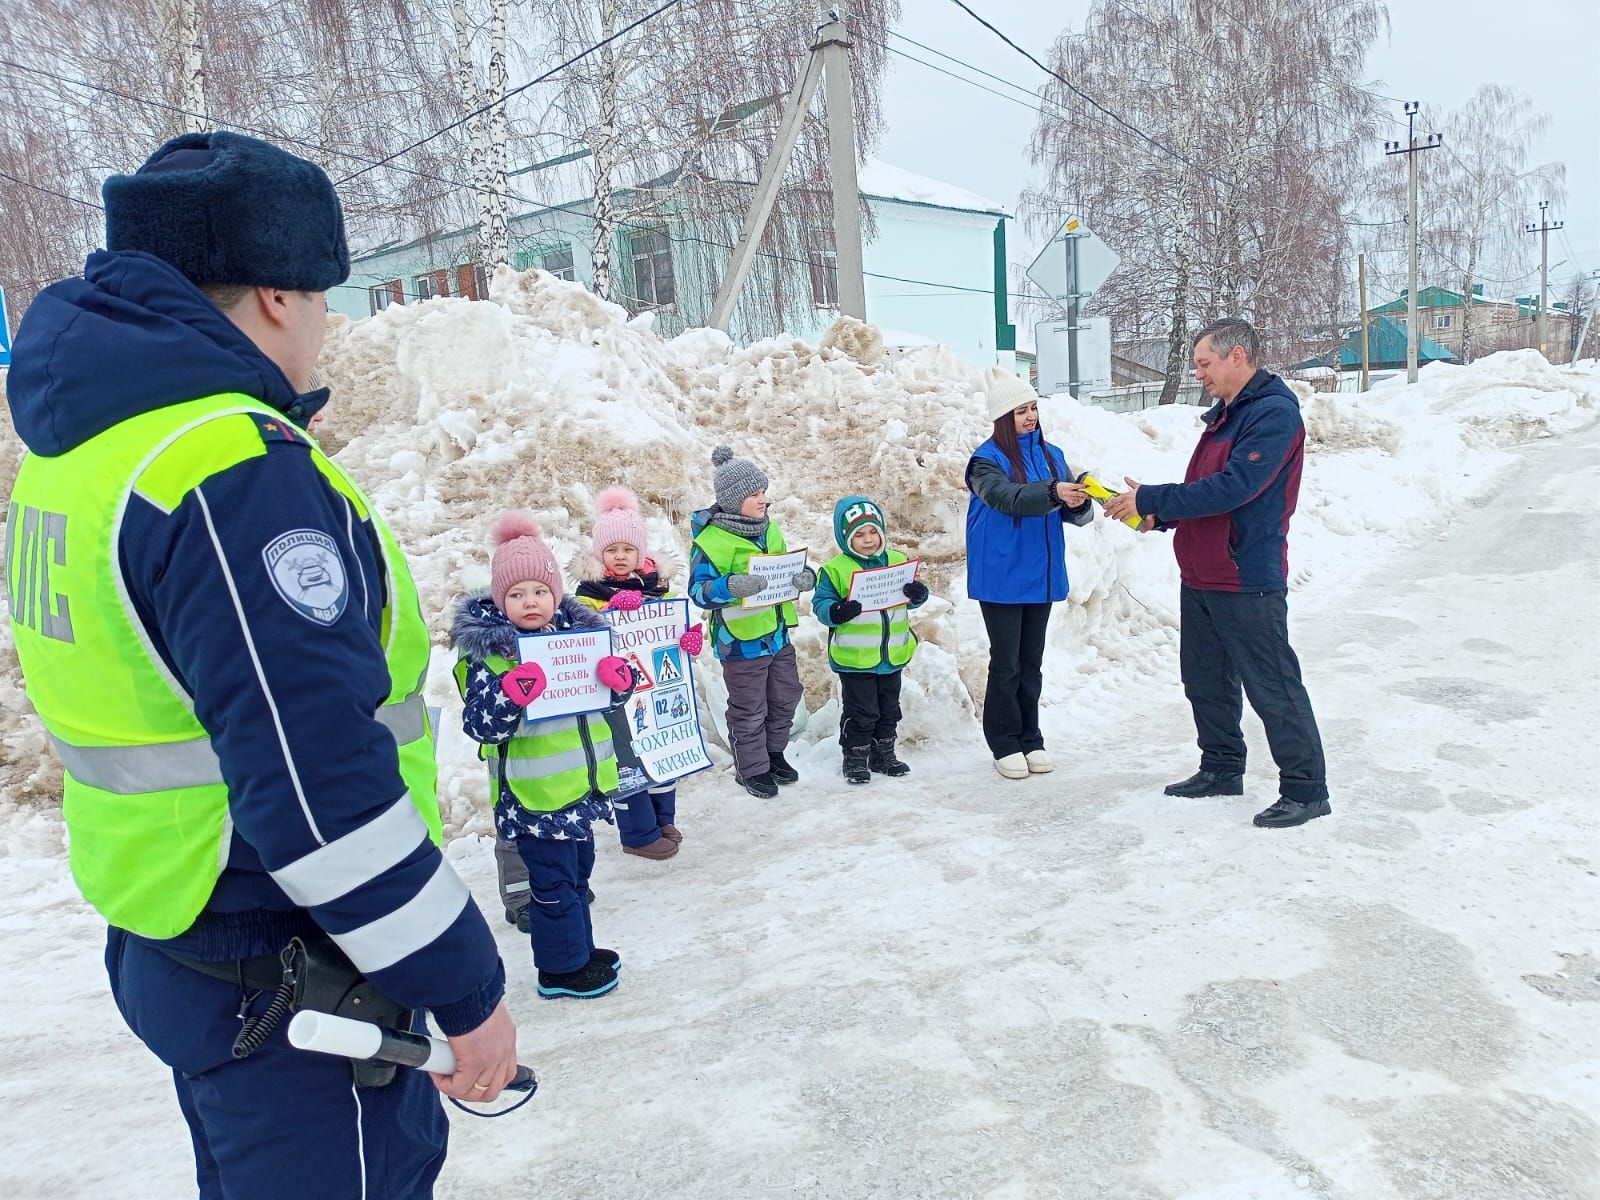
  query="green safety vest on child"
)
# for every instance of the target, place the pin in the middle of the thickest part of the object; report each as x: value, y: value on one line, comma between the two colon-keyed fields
x: 548, y: 764
x: 730, y: 554
x: 144, y: 799
x: 872, y: 639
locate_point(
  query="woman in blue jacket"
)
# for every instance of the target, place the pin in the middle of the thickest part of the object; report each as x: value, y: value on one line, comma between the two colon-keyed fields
x: 1022, y: 495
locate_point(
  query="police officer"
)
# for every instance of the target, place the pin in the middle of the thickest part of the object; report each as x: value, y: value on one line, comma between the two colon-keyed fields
x: 226, y: 648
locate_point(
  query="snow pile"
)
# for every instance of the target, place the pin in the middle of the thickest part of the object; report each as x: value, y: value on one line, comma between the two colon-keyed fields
x: 450, y: 411
x: 548, y: 395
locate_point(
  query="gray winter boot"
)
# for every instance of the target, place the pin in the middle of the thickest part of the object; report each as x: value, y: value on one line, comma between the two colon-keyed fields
x: 884, y: 762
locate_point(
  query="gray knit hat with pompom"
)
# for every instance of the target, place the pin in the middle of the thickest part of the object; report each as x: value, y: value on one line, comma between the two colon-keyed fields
x: 737, y: 479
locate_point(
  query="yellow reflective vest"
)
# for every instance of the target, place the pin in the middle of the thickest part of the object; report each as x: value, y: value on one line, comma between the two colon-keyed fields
x: 144, y: 800
x: 730, y: 554
x: 872, y: 639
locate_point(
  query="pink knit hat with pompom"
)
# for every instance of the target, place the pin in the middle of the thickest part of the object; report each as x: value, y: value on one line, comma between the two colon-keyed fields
x: 617, y: 519
x: 520, y: 554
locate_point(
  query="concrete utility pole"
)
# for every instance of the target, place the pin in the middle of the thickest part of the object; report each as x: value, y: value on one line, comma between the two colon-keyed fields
x: 1543, y: 229
x: 1366, y: 360
x: 1410, y: 150
x: 830, y: 56
x: 834, y: 44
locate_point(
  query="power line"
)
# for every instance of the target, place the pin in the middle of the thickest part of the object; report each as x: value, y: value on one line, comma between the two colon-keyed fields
x: 1088, y: 99
x: 960, y: 62
x: 1054, y: 109
x: 52, y: 192
x: 538, y: 205
x: 269, y: 134
x: 1571, y: 257
x: 551, y: 73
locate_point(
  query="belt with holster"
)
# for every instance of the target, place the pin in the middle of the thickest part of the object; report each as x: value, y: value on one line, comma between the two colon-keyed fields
x: 309, y: 974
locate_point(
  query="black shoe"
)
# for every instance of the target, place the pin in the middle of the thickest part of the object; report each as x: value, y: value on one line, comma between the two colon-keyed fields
x: 884, y: 762
x: 1209, y: 783
x: 1286, y: 813
x: 518, y: 917
x: 609, y: 959
x: 589, y: 897
x: 760, y: 786
x: 780, y: 770
x: 856, y: 766
x: 591, y: 980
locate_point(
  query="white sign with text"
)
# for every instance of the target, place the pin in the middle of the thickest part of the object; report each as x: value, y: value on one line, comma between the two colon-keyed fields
x: 883, y: 587
x: 663, y: 721
x: 569, y: 660
x: 778, y: 572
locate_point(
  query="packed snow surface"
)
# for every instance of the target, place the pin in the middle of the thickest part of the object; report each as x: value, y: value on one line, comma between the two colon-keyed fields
x: 952, y: 985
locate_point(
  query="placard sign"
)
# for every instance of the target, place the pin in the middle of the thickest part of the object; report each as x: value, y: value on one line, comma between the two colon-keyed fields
x: 662, y: 719
x: 883, y: 587
x: 569, y: 660
x: 778, y: 571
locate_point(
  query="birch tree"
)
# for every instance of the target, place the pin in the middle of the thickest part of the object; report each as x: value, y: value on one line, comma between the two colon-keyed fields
x: 678, y: 117
x: 92, y: 89
x: 1483, y: 190
x: 1214, y: 148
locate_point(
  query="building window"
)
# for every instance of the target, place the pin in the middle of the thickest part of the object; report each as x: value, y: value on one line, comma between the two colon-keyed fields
x: 651, y: 255
x: 559, y: 264
x: 557, y: 258
x: 385, y: 294
x: 1443, y: 321
x: 823, y: 262
x: 422, y: 285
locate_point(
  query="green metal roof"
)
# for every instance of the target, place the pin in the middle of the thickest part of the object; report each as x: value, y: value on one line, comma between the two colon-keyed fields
x: 1386, y: 347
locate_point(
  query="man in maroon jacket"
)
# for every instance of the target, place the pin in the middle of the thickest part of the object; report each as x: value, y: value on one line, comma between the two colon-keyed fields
x: 1231, y: 516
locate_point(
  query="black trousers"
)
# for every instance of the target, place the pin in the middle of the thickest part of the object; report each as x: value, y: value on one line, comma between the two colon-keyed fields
x: 870, y: 708
x: 1231, y: 639
x: 1016, y: 676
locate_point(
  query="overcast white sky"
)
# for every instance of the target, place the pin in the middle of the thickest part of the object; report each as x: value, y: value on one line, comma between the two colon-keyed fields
x: 1438, y: 52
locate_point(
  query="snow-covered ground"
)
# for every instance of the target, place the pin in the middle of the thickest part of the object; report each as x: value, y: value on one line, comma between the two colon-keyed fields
x: 951, y: 985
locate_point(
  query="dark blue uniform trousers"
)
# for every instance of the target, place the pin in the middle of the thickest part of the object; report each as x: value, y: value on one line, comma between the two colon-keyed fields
x: 558, y: 918
x: 283, y: 1122
x: 1234, y: 638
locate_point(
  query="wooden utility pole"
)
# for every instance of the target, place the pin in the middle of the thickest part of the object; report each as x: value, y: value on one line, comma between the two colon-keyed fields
x: 1410, y: 150
x: 830, y: 57
x: 1543, y: 229
x: 1366, y: 360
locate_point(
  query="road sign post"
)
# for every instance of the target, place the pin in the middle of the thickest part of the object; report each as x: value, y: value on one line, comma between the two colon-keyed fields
x: 1070, y: 268
x: 5, y: 332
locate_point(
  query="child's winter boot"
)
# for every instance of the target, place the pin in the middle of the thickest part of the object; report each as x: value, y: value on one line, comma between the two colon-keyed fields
x: 588, y: 981
x: 884, y: 762
x: 856, y: 769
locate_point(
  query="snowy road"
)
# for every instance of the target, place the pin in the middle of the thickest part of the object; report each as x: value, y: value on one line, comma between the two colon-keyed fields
x: 1070, y: 987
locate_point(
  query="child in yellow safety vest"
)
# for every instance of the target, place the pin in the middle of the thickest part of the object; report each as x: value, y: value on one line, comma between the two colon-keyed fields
x: 752, y: 644
x: 867, y: 650
x: 548, y: 779
x: 618, y: 572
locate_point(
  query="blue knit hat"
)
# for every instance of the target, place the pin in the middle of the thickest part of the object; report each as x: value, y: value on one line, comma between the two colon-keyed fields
x: 229, y: 209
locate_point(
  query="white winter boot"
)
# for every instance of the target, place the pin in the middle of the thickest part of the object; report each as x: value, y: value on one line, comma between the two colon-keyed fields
x: 1012, y: 766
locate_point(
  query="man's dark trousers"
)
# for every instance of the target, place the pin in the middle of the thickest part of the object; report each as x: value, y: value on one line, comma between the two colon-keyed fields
x: 1231, y: 638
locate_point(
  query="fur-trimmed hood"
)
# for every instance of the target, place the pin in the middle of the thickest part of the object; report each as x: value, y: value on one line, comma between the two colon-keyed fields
x: 587, y: 568
x: 479, y: 629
